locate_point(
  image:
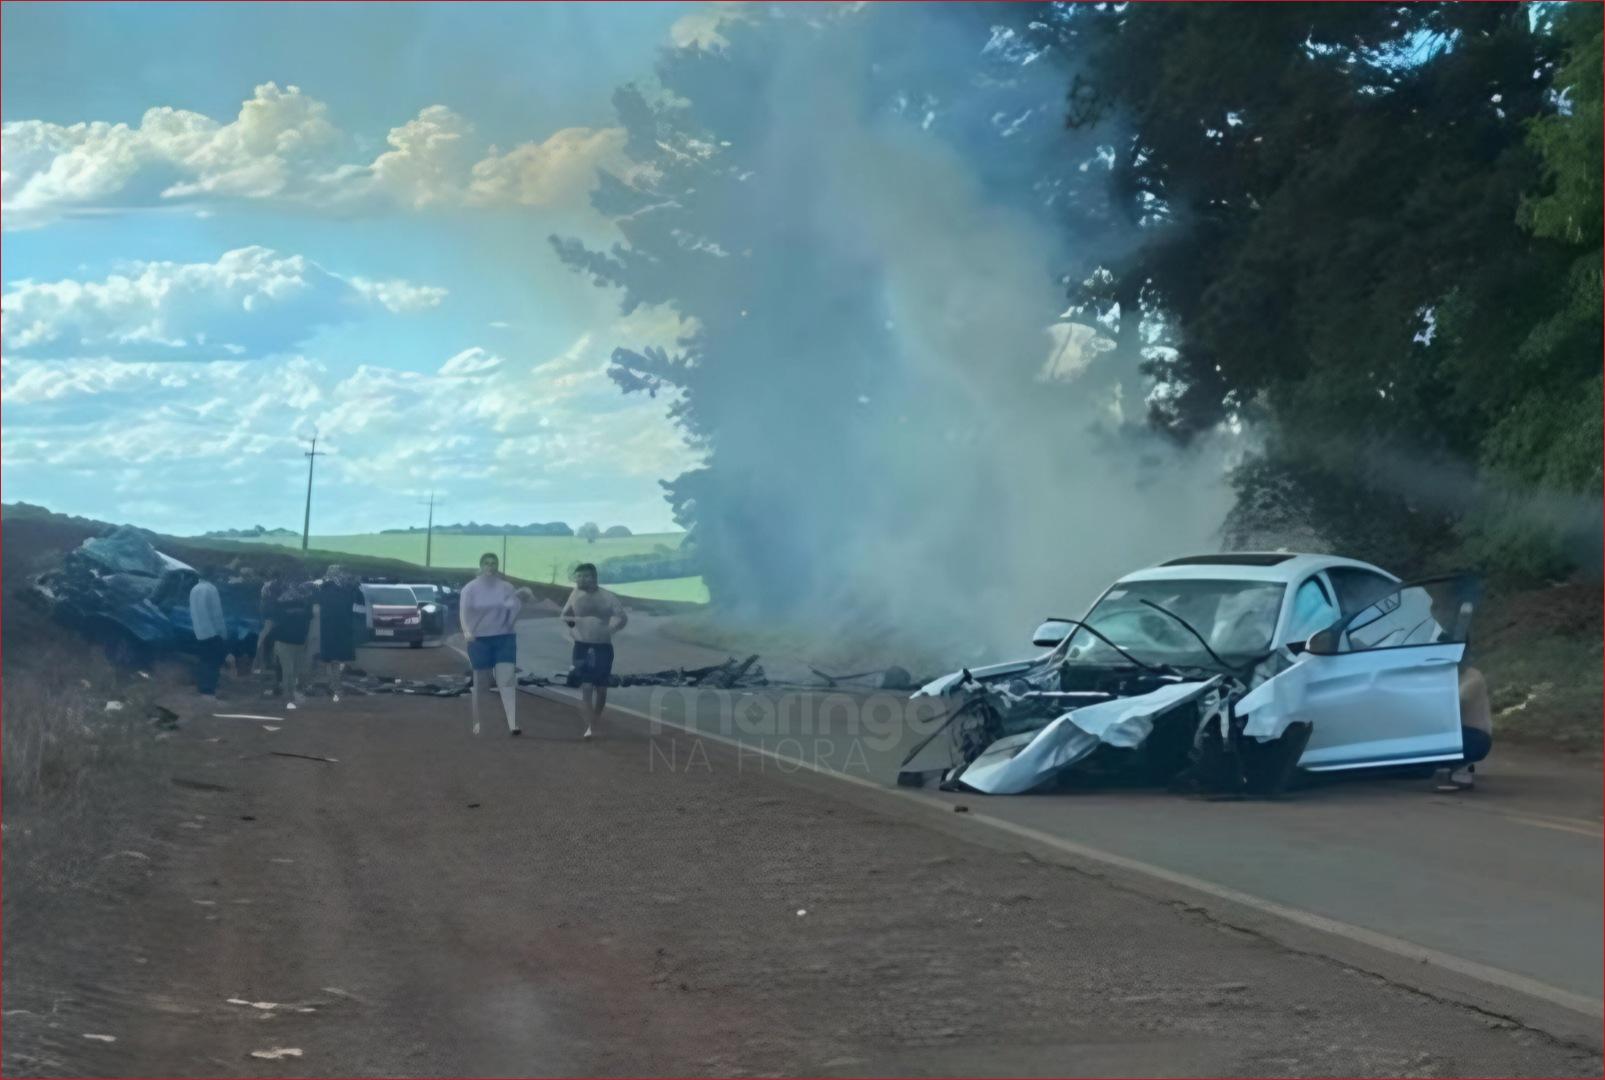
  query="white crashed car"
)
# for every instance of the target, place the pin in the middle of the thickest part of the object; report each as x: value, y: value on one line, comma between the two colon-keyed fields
x: 1234, y: 670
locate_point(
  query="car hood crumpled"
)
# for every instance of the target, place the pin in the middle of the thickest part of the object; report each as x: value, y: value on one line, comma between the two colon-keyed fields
x: 1020, y: 763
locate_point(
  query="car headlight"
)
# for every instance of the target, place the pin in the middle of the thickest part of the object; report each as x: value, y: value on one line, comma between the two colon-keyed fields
x: 430, y: 609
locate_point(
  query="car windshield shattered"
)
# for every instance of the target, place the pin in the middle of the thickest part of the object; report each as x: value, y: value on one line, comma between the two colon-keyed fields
x: 1235, y: 618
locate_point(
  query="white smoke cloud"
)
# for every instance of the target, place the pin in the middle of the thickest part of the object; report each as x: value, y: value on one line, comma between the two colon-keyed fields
x: 907, y: 426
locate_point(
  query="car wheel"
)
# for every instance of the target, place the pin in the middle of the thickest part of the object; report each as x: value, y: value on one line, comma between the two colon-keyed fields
x: 415, y: 644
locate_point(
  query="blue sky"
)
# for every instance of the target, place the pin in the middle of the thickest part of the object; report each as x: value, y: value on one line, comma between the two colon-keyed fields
x: 227, y: 226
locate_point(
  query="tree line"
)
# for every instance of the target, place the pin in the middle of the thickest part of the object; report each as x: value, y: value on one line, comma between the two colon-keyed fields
x: 1364, y: 239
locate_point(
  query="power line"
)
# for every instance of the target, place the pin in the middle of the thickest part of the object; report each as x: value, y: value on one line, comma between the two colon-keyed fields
x: 306, y: 521
x: 429, y: 531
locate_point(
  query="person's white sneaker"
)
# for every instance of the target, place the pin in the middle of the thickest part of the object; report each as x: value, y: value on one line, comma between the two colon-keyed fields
x: 337, y: 697
x: 587, y: 734
x: 475, y: 728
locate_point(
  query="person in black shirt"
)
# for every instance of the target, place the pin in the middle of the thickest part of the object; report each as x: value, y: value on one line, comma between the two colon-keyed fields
x: 337, y: 640
x: 289, y: 618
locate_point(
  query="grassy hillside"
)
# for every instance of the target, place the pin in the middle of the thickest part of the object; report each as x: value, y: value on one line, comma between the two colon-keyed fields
x: 35, y: 538
x: 537, y: 558
x: 685, y: 590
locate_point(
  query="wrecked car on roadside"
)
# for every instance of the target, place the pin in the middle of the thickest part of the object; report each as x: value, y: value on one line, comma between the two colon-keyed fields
x: 133, y: 600
x: 1231, y: 672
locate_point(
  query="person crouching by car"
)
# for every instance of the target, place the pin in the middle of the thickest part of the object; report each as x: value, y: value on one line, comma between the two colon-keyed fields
x: 1476, y: 731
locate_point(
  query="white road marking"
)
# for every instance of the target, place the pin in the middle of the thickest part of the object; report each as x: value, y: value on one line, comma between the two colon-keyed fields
x: 1571, y: 825
x: 1507, y: 980
x: 1486, y: 973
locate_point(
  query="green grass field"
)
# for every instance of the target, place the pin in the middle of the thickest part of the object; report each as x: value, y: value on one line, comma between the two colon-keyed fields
x: 534, y: 558
x: 537, y: 558
x: 689, y: 590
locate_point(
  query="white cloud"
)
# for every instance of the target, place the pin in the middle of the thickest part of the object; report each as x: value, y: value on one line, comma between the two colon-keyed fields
x: 555, y: 172
x: 284, y: 147
x: 428, y: 161
x: 251, y: 302
x: 181, y: 433
x: 700, y: 29
x: 277, y: 145
x: 1072, y: 346
x: 400, y: 297
x: 471, y: 362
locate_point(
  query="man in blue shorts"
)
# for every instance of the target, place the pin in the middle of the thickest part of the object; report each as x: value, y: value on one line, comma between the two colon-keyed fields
x: 488, y: 607
x: 593, y: 616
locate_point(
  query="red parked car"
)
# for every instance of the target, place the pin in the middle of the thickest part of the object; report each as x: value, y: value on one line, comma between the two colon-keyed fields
x: 393, y: 614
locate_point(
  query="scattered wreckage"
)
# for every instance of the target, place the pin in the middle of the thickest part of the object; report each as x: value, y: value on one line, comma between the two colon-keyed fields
x: 1227, y: 672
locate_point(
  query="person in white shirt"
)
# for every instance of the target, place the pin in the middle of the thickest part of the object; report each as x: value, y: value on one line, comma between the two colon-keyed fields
x: 488, y: 609
x: 211, y: 636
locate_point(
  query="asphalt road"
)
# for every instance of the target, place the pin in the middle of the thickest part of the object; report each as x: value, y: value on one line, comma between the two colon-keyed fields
x: 1506, y: 878
x: 405, y: 899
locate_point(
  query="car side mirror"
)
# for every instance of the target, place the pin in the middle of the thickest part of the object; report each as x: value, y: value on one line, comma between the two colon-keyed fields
x: 1324, y: 642
x: 1051, y: 634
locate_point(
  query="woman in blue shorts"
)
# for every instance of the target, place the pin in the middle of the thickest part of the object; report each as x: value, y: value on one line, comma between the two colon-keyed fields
x: 488, y: 608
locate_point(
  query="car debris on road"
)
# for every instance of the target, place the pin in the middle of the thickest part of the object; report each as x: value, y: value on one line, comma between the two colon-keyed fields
x: 1228, y: 673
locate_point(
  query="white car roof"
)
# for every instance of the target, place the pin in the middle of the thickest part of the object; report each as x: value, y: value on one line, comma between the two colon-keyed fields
x: 1282, y: 567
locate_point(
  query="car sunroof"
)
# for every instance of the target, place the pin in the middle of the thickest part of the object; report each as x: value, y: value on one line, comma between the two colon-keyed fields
x: 1231, y: 559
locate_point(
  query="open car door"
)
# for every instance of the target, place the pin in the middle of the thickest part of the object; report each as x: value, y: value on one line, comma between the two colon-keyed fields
x: 1382, y: 686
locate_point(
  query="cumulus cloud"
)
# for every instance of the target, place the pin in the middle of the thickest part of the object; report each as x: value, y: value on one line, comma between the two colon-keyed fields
x: 251, y: 302
x: 471, y: 362
x: 700, y: 29
x: 397, y: 296
x: 277, y: 146
x: 284, y: 147
x: 188, y: 433
x: 554, y: 172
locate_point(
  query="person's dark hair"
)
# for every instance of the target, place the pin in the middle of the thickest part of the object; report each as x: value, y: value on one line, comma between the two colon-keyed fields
x: 489, y: 555
x: 583, y: 567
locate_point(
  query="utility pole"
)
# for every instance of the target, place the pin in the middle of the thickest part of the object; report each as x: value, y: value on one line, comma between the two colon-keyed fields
x: 429, y: 532
x: 306, y: 521
x: 504, y: 553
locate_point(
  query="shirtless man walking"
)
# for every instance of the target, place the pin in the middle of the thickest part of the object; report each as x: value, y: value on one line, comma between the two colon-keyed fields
x: 593, y: 616
x: 488, y: 607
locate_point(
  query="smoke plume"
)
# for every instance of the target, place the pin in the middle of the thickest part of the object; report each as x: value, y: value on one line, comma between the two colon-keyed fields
x: 873, y: 216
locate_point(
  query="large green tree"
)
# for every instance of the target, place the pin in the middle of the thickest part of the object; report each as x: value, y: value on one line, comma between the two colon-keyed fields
x: 781, y: 201
x: 1373, y: 232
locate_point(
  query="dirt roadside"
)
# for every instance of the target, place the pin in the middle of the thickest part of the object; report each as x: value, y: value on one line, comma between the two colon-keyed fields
x: 445, y: 905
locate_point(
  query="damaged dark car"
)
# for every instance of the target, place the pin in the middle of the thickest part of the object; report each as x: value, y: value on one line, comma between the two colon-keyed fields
x: 119, y: 591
